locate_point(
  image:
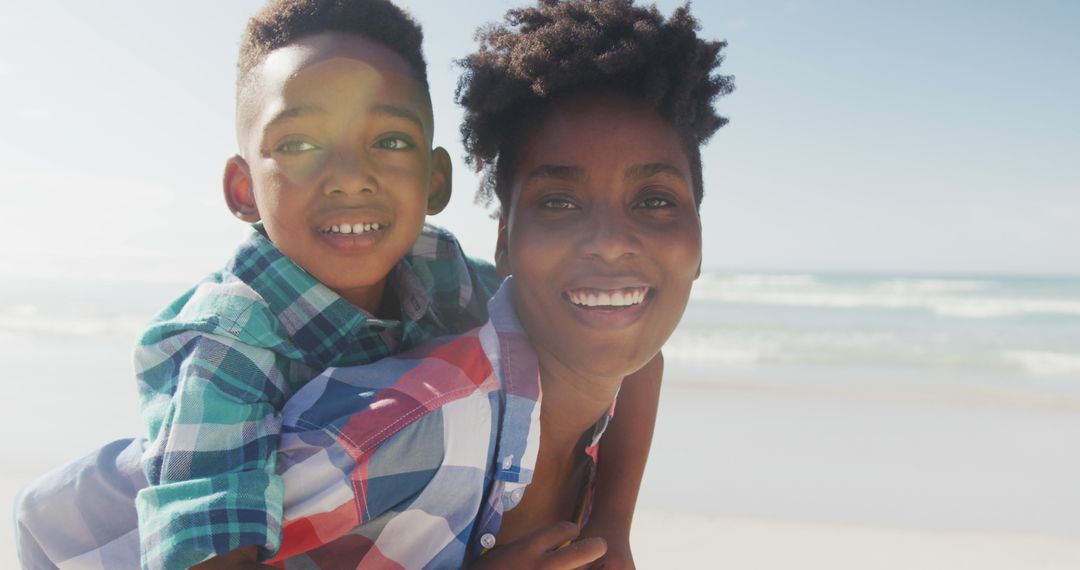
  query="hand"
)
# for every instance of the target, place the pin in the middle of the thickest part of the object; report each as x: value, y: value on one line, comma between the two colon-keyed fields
x: 618, y: 555
x: 543, y: 550
x: 615, y: 559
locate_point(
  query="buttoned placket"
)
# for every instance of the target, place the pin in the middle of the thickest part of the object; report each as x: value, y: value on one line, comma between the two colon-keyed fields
x: 519, y: 375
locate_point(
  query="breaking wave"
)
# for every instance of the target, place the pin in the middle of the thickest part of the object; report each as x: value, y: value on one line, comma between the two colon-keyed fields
x: 958, y: 298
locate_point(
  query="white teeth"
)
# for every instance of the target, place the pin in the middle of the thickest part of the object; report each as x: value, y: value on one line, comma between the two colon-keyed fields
x: 617, y: 298
x: 354, y: 228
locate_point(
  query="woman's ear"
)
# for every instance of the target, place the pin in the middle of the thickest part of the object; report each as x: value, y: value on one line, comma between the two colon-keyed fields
x: 442, y: 181
x: 239, y: 194
x: 502, y: 253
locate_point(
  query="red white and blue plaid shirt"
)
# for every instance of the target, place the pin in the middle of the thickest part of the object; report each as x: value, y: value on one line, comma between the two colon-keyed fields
x: 410, y: 462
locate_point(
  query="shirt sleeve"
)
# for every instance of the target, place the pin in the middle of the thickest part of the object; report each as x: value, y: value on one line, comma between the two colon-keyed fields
x: 212, y: 405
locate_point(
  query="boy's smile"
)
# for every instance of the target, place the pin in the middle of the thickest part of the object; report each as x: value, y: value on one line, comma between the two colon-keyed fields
x: 602, y: 234
x: 336, y: 138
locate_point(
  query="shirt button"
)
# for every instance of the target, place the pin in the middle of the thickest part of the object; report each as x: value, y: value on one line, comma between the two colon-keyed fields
x: 488, y: 540
x: 508, y: 462
x: 515, y: 495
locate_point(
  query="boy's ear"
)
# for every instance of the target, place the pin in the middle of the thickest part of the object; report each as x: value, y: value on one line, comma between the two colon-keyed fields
x: 698, y: 273
x: 239, y: 195
x: 442, y: 180
x: 502, y: 254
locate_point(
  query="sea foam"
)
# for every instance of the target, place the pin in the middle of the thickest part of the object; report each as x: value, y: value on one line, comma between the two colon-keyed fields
x: 957, y: 298
x: 1044, y: 363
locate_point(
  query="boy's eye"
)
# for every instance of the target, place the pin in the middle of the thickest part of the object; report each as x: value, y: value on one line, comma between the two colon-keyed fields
x: 558, y: 204
x: 295, y: 146
x: 394, y: 143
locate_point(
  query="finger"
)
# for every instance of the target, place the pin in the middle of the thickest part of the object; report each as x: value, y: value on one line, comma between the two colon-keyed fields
x: 576, y: 555
x: 551, y: 537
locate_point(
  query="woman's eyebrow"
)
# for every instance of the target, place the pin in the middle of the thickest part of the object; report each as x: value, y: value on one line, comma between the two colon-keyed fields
x: 557, y: 171
x: 639, y: 171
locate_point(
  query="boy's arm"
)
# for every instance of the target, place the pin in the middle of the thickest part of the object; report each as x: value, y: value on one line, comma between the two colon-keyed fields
x: 623, y: 453
x: 214, y: 428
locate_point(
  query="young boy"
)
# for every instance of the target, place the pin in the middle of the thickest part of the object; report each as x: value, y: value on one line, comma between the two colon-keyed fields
x: 335, y: 128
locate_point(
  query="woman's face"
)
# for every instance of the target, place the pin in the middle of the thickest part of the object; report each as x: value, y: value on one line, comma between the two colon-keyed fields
x: 602, y: 234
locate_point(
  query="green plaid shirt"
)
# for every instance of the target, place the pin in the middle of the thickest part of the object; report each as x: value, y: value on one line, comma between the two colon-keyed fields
x: 217, y: 365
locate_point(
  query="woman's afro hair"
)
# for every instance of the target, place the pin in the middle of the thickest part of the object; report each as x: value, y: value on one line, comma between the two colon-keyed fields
x: 560, y: 48
x: 282, y: 22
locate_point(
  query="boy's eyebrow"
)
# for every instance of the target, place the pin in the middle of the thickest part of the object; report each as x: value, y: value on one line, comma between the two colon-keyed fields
x: 298, y: 111
x: 572, y: 173
x: 390, y: 110
x: 639, y: 171
x: 400, y: 112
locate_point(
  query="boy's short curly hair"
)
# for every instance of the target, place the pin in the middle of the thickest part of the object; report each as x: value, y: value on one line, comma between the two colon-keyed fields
x: 282, y: 22
x: 561, y: 48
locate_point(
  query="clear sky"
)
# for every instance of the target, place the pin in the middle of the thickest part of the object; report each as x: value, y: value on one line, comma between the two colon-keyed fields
x: 917, y: 137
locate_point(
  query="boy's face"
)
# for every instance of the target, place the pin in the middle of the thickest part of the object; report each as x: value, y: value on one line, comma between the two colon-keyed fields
x: 602, y: 235
x: 337, y: 160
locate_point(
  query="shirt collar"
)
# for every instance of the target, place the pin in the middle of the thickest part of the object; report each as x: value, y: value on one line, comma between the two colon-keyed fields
x: 326, y: 329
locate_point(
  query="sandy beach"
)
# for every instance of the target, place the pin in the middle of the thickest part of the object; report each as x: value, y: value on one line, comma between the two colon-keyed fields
x: 670, y: 540
x: 772, y: 477
x: 664, y: 540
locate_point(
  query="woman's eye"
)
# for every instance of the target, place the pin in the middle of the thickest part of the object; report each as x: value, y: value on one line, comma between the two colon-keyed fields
x: 558, y: 204
x: 295, y: 146
x: 394, y: 143
x: 656, y: 202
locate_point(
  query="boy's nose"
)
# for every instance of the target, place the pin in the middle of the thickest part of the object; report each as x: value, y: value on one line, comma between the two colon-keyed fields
x: 608, y: 236
x: 351, y: 174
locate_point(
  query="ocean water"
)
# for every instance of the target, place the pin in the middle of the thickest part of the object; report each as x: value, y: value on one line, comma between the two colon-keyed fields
x: 66, y: 348
x: 66, y: 345
x: 931, y: 403
x: 1019, y: 334
x: 1012, y: 326
x: 1020, y: 326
